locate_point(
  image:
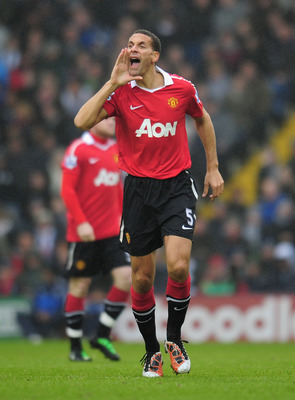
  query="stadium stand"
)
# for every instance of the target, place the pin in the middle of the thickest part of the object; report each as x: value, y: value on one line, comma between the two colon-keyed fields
x: 55, y: 54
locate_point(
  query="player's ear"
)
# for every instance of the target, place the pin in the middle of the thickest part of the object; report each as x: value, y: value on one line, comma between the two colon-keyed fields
x: 156, y: 56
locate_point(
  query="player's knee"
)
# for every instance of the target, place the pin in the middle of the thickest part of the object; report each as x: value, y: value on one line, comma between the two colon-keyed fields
x: 122, y: 278
x: 143, y: 283
x: 126, y: 282
x: 79, y: 287
x: 178, y: 271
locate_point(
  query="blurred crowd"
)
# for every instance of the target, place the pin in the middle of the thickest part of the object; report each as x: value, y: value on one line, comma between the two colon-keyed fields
x: 55, y: 54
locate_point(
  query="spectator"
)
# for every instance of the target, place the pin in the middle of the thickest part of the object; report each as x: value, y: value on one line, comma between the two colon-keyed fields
x: 285, y: 273
x: 285, y: 250
x: 270, y: 199
x: 216, y: 280
x: 46, y: 316
x: 29, y: 281
x: 7, y: 279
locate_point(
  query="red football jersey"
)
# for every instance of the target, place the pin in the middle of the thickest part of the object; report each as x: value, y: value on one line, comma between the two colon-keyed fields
x: 150, y: 126
x: 92, y: 186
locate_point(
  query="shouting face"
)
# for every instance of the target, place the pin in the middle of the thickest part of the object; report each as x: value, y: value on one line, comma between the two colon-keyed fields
x: 142, y: 54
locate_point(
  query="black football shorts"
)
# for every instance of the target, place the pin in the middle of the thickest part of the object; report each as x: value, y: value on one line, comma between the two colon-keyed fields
x: 87, y: 259
x: 154, y: 208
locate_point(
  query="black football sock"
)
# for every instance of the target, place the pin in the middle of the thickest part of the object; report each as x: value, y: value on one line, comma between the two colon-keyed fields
x: 147, y: 326
x: 74, y: 317
x: 108, y: 318
x: 177, y: 309
x: 74, y: 322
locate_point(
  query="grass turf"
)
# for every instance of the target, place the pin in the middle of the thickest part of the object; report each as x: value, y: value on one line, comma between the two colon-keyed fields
x: 240, y: 371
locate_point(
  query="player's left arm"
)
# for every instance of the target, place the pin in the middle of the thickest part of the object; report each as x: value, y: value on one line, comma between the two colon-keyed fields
x: 213, y: 177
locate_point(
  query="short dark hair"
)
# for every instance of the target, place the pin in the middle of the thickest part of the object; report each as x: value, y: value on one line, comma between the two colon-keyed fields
x: 156, y: 43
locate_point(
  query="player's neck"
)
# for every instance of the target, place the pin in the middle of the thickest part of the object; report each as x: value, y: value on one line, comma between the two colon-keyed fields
x: 152, y: 80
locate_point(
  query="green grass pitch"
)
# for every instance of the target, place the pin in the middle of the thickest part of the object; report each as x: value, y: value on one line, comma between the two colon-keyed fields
x: 239, y: 371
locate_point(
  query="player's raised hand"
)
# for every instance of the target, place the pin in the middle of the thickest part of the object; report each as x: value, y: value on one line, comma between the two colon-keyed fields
x: 120, y: 75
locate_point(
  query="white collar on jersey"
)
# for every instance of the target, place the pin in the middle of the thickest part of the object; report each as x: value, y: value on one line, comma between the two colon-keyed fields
x: 88, y: 139
x: 167, y: 81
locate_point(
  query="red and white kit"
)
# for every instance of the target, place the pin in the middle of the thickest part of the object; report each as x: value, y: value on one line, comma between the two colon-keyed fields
x: 91, y: 175
x: 152, y: 143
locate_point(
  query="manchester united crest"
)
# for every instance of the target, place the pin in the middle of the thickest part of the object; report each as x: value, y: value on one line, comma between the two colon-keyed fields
x: 128, y: 237
x: 173, y: 102
x: 80, y: 265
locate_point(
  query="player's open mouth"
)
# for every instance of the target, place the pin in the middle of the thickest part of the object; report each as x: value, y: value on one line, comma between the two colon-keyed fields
x: 134, y: 60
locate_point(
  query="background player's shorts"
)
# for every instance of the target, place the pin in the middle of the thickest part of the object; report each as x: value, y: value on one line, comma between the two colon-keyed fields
x: 87, y: 259
x: 154, y: 208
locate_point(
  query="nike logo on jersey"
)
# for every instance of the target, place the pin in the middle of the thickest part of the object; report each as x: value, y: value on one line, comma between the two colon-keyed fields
x: 186, y: 227
x: 93, y: 160
x: 135, y: 107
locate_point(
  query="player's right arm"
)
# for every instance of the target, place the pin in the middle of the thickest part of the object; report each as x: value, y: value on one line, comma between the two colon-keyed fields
x: 92, y: 112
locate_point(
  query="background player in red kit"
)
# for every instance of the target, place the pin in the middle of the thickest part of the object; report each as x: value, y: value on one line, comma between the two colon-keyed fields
x: 92, y: 191
x: 150, y: 106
